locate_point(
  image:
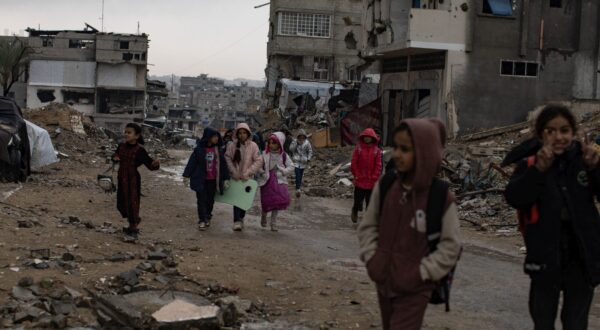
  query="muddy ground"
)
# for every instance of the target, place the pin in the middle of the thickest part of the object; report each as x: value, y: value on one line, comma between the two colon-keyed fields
x: 306, y: 274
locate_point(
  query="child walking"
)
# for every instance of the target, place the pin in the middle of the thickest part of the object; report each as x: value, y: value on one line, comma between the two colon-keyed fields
x: 206, y: 172
x: 130, y: 156
x: 243, y: 161
x: 303, y: 153
x: 274, y: 194
x: 366, y: 169
x: 554, y: 187
x: 394, y: 233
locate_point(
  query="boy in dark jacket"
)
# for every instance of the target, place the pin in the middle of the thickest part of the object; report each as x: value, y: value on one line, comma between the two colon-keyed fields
x: 206, y: 173
x: 393, y: 235
x: 554, y: 187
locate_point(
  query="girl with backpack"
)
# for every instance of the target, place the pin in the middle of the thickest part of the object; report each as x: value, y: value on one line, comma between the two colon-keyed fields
x: 131, y: 155
x: 409, y: 236
x: 273, y: 182
x: 554, y: 188
x: 243, y: 161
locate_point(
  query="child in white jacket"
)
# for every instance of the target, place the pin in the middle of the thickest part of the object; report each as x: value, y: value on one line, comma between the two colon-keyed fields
x: 303, y: 153
x: 274, y: 194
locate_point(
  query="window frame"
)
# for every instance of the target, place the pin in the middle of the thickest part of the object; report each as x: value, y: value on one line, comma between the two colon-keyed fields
x: 514, y: 66
x: 312, y: 29
x: 320, y: 72
x: 122, y: 42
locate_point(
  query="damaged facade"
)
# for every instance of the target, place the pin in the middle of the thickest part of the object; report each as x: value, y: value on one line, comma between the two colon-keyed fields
x: 480, y: 63
x: 313, y: 40
x: 102, y: 75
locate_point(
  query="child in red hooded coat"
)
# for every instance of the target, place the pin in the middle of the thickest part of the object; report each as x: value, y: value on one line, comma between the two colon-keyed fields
x: 366, y: 169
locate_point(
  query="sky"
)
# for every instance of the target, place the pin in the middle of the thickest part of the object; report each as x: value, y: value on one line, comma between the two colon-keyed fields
x: 224, y: 38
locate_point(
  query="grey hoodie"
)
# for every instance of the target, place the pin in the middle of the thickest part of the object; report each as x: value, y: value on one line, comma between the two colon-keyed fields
x: 302, y: 153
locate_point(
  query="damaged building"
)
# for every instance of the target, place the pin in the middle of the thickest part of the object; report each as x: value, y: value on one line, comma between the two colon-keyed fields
x: 313, y: 40
x: 102, y: 75
x: 480, y: 63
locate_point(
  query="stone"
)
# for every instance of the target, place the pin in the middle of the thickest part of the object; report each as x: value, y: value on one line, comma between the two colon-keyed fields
x: 22, y: 294
x: 120, y: 257
x: 25, y: 224
x: 26, y: 282
x: 157, y: 255
x: 182, y: 314
x: 242, y: 306
x: 73, y: 293
x: 68, y: 257
x: 145, y: 266
x: 59, y: 322
x: 28, y: 314
x: 47, y: 283
x: 162, y: 279
x: 130, y: 277
x: 62, y: 308
x: 169, y: 262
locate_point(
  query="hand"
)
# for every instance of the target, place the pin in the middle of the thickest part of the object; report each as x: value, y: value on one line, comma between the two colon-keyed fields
x: 186, y: 182
x: 156, y: 163
x: 591, y: 158
x: 116, y: 158
x: 545, y: 156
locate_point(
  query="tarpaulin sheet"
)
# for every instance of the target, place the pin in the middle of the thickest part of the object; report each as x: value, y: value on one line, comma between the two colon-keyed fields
x: 357, y: 120
x: 500, y: 7
x: 42, y: 150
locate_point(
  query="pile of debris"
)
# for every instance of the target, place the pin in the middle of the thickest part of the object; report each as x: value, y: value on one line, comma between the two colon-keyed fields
x: 329, y: 173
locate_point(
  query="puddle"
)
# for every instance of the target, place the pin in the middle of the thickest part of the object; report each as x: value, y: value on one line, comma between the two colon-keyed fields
x: 173, y: 172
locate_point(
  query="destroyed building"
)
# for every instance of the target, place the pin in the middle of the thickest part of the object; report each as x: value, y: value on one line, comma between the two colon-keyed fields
x: 102, y: 75
x: 313, y: 40
x: 480, y: 63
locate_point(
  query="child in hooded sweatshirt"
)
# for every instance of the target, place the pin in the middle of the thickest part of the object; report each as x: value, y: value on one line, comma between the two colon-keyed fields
x: 393, y: 234
x: 366, y: 169
x: 131, y: 155
x: 206, y: 171
x: 243, y: 161
x: 303, y: 153
x: 274, y: 193
x: 555, y: 186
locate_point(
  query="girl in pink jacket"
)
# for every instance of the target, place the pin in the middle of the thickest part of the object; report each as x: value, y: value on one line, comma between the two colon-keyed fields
x: 244, y: 161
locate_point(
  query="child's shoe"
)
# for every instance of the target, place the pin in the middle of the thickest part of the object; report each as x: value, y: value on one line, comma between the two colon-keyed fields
x: 208, y: 224
x: 263, y: 221
x: 354, y: 217
x: 202, y: 226
x: 238, y: 226
x: 298, y: 193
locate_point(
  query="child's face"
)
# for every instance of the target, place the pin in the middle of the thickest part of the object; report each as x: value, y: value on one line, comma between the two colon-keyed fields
x: 301, y: 139
x: 558, y: 134
x: 214, y: 140
x: 368, y: 139
x: 130, y: 135
x: 404, y: 155
x: 274, y: 145
x: 242, y: 135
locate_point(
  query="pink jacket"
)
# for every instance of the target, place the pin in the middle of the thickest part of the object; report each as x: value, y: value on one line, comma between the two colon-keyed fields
x: 367, y: 161
x: 251, y: 161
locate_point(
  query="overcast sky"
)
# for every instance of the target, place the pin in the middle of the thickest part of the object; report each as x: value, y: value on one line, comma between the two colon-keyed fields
x: 224, y: 38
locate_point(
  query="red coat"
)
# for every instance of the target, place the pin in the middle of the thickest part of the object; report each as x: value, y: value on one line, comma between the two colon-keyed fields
x: 367, y: 161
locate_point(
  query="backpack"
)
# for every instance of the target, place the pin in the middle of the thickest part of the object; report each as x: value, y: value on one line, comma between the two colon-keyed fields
x: 436, y: 201
x: 531, y: 216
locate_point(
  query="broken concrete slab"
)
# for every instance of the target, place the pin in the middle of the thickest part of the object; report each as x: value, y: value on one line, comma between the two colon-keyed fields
x: 182, y: 314
x: 157, y: 255
x: 62, y: 308
x: 242, y: 306
x: 130, y: 277
x: 22, y: 294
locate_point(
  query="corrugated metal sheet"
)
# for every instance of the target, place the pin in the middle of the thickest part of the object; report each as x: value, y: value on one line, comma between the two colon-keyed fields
x: 62, y: 73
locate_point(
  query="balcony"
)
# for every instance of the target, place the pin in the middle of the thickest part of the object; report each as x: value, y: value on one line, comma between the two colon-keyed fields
x: 423, y: 30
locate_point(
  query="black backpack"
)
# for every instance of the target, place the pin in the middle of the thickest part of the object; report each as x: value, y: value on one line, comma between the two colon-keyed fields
x: 436, y: 201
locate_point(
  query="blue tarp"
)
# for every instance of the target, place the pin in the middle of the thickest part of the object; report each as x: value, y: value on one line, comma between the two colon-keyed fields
x: 500, y: 7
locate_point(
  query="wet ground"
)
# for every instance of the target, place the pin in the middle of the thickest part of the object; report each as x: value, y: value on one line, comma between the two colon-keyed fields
x: 308, y: 273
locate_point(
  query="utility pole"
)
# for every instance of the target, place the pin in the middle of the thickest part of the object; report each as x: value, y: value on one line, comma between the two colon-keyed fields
x: 138, y: 28
x: 172, y: 82
x: 102, y: 18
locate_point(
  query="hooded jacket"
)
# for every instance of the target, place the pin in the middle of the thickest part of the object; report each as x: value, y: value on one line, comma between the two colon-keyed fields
x: 392, y: 235
x: 251, y: 161
x: 196, y: 166
x: 367, y: 161
x: 303, y: 153
x: 285, y: 168
x: 565, y: 192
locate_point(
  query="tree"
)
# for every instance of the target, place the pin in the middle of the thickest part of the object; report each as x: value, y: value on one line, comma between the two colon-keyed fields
x: 13, y: 60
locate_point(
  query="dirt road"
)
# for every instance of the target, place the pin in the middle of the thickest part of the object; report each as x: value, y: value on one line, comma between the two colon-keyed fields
x: 307, y: 274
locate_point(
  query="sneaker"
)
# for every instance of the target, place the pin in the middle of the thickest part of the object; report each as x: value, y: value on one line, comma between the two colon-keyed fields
x: 202, y: 226
x: 298, y: 193
x: 238, y: 226
x: 354, y: 217
x: 274, y: 227
x: 263, y: 221
x: 208, y: 224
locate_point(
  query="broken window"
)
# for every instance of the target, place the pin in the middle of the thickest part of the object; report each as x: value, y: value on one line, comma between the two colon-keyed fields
x: 47, y: 41
x: 498, y: 7
x: 45, y: 95
x: 304, y: 24
x: 519, y: 68
x: 124, y: 45
x: 321, y: 68
x: 143, y: 56
x: 127, y: 56
x: 136, y: 56
x: 73, y: 97
x: 350, y: 40
x: 555, y: 3
x: 81, y: 44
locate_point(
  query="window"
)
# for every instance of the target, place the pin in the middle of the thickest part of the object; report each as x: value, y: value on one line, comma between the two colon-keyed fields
x: 47, y: 41
x: 143, y: 56
x: 81, y: 44
x: 127, y: 56
x: 555, y: 3
x: 124, y: 45
x: 519, y: 68
x: 136, y: 56
x: 498, y: 7
x: 321, y: 68
x: 304, y: 24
